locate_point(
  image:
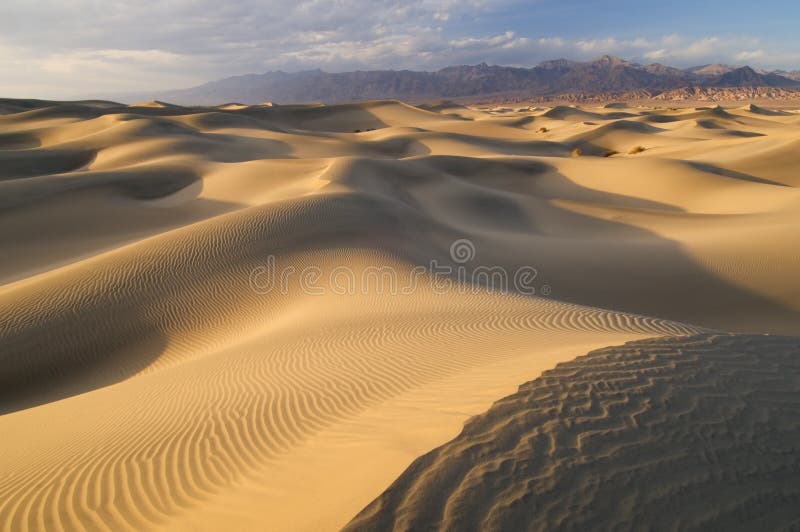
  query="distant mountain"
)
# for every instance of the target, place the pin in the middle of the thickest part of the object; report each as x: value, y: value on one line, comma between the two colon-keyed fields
x: 607, y: 74
x: 747, y: 77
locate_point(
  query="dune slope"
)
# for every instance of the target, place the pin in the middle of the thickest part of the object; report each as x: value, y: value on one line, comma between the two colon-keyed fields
x: 691, y: 433
x: 210, y: 316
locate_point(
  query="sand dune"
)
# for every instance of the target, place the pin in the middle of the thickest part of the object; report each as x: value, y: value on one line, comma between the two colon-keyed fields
x: 147, y: 382
x: 753, y: 108
x: 699, y: 432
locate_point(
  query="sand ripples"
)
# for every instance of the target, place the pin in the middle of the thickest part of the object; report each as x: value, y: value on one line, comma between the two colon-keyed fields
x: 691, y: 433
x: 143, y: 378
x: 188, y: 430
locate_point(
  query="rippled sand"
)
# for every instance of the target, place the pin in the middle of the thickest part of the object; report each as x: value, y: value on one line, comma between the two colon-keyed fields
x: 154, y: 373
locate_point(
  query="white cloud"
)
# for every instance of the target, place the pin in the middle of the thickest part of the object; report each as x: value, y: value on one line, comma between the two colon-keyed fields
x: 49, y: 46
x: 656, y: 55
x: 551, y: 42
x: 750, y: 55
x: 106, y: 60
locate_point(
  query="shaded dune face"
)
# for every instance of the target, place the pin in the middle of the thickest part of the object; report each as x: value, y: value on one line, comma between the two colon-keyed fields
x: 692, y: 433
x: 147, y: 384
x: 28, y: 163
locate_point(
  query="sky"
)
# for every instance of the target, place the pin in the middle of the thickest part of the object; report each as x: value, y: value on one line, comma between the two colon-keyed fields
x: 63, y: 48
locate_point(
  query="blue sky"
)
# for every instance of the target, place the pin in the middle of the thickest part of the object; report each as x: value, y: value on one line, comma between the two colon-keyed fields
x: 646, y: 18
x: 60, y: 48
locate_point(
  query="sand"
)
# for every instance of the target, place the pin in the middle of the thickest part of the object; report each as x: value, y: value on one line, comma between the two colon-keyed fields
x: 149, y: 380
x: 676, y: 434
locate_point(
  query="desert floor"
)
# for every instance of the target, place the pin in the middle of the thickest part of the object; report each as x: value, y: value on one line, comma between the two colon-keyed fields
x: 281, y: 317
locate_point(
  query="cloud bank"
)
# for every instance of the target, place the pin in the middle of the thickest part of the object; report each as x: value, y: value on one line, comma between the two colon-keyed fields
x: 58, y: 48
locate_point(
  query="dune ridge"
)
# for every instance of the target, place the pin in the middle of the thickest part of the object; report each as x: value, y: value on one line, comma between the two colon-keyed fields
x: 148, y: 383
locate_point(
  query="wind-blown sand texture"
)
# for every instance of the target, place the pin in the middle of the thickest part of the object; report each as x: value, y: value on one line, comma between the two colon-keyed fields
x: 145, y: 383
x: 693, y: 433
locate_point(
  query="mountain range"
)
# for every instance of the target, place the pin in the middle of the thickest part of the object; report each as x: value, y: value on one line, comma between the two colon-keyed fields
x: 607, y: 74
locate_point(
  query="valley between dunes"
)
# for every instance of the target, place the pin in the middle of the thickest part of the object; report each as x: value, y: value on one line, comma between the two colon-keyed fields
x: 154, y: 376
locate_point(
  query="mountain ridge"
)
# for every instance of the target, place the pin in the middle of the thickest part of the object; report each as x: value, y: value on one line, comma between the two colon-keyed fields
x: 607, y: 74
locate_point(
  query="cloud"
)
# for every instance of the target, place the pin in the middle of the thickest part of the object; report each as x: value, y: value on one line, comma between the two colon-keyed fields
x: 656, y: 55
x: 750, y: 55
x: 106, y: 60
x: 611, y: 45
x: 50, y: 46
